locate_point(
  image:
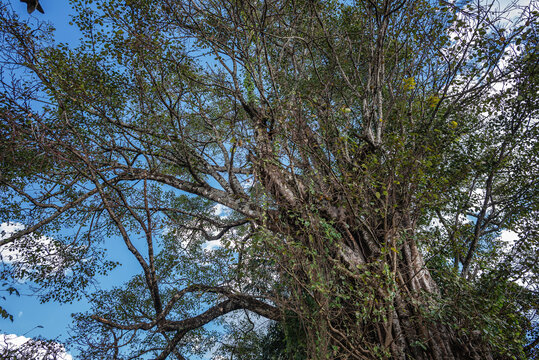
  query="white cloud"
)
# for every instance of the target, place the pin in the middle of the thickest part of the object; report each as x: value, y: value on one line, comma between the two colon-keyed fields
x: 30, y: 251
x: 221, y: 210
x: 21, y: 347
x: 248, y: 183
x: 509, y: 237
x: 505, y: 14
x: 212, y: 245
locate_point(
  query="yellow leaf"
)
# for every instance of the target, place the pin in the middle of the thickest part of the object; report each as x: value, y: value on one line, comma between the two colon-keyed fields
x: 433, y: 100
x: 409, y: 83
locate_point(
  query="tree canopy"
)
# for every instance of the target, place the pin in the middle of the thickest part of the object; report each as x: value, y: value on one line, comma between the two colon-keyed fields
x: 345, y: 170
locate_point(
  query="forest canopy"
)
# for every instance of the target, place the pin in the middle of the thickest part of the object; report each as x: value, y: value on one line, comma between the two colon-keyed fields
x: 296, y: 179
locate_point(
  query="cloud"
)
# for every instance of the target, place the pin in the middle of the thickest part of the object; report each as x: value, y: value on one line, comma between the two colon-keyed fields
x: 23, y: 348
x: 509, y: 237
x: 221, y: 211
x: 212, y: 245
x: 31, y: 252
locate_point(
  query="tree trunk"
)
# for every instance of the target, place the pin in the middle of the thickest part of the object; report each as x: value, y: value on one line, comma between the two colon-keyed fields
x: 373, y: 298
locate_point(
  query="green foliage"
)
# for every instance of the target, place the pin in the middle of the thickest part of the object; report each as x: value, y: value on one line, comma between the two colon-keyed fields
x: 493, y: 309
x: 273, y: 341
x: 10, y: 290
x: 345, y: 169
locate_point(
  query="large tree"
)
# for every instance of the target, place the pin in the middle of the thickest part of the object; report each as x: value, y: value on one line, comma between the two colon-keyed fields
x: 357, y: 160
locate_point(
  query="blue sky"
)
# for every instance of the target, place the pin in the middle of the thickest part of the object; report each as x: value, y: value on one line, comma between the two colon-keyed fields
x: 52, y: 320
x: 27, y: 311
x: 58, y: 13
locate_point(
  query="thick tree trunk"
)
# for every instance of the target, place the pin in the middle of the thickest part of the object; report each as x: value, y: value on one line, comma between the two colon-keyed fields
x: 358, y: 280
x: 407, y: 332
x: 373, y: 298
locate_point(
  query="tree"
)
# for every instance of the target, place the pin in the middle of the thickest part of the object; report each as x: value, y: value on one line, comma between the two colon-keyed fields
x: 21, y: 348
x: 364, y: 151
